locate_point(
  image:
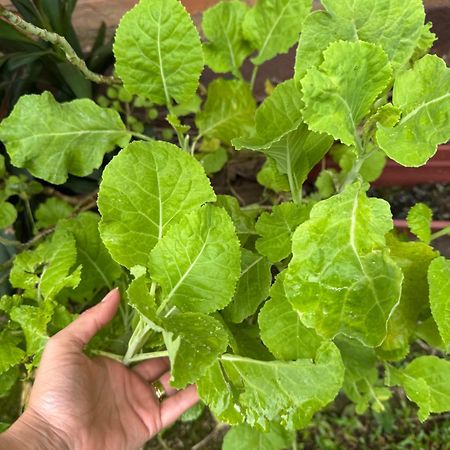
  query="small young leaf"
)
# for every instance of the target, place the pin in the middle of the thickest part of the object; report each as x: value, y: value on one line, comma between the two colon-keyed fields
x: 8, y: 214
x: 226, y: 47
x: 425, y: 108
x: 51, y: 211
x: 197, y: 262
x: 439, y: 280
x: 335, y: 103
x: 276, y: 230
x: 158, y: 52
x: 341, y: 277
x: 10, y: 353
x: 145, y: 188
x: 244, y: 437
x: 273, y: 26
x: 270, y: 177
x: 419, y: 221
x: 53, y: 139
x: 228, y: 112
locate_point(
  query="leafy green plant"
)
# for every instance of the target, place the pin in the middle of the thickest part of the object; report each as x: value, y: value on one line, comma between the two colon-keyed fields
x: 271, y: 309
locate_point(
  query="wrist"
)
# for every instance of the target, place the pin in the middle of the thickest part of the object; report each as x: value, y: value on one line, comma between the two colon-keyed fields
x: 31, y: 432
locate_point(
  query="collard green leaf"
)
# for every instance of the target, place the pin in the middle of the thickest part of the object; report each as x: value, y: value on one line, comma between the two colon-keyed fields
x: 145, y: 188
x: 42, y: 273
x: 276, y: 229
x: 226, y: 48
x: 10, y: 353
x: 244, y: 437
x: 341, y: 278
x: 273, y: 26
x: 414, y: 259
x: 53, y: 139
x: 252, y: 288
x: 51, y: 211
x: 270, y: 177
x: 158, y: 52
x: 8, y: 214
x: 99, y: 270
x: 282, y: 330
x: 425, y: 381
x: 419, y: 221
x: 425, y: 108
x: 260, y: 392
x: 396, y: 26
x: 228, y: 112
x: 197, y: 262
x: 335, y: 101
x: 439, y: 281
x: 194, y: 341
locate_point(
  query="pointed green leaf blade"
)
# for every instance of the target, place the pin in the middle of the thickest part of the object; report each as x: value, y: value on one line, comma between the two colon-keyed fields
x: 53, y: 139
x: 197, y: 263
x: 146, y: 188
x: 336, y: 102
x: 158, y: 52
x: 425, y: 108
x: 341, y: 278
x: 419, y: 221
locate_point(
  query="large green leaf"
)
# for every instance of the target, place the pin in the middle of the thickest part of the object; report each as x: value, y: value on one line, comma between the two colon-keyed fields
x: 252, y: 288
x: 53, y: 139
x: 425, y: 109
x: 396, y: 26
x: 228, y: 112
x: 226, y: 47
x: 197, y: 262
x: 341, y: 278
x: 425, y: 381
x: 260, y: 392
x: 414, y: 259
x: 340, y: 92
x: 42, y: 273
x: 194, y: 341
x: 419, y: 221
x: 147, y: 187
x: 10, y: 353
x: 99, y: 270
x: 439, y: 280
x: 158, y: 52
x: 282, y: 330
x: 273, y: 26
x: 244, y: 437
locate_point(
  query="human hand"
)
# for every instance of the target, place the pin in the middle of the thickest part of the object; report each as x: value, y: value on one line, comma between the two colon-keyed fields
x: 95, y: 404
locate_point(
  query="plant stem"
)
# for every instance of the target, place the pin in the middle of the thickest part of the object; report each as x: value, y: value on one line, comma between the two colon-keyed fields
x: 144, y: 137
x: 107, y: 355
x: 59, y: 42
x: 444, y: 232
x: 137, y: 341
x: 146, y: 356
x: 294, y: 441
x: 253, y: 78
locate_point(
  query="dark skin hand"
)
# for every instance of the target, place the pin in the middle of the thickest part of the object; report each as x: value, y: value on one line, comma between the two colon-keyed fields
x: 79, y: 403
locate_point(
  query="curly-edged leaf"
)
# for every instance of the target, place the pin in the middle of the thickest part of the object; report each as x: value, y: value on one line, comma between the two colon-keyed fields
x: 50, y: 212
x: 53, y: 139
x: 282, y: 330
x: 197, y: 262
x: 244, y: 437
x: 226, y: 48
x: 42, y: 273
x: 273, y: 26
x: 439, y: 281
x: 8, y: 214
x: 270, y: 177
x: 252, y: 288
x: 414, y: 259
x: 396, y: 26
x: 158, y: 52
x: 340, y: 92
x: 228, y: 112
x: 194, y: 342
x: 99, y: 270
x: 419, y: 221
x: 260, y: 392
x: 279, y: 114
x: 341, y: 278
x: 426, y: 41
x: 425, y: 381
x: 145, y: 188
x: 10, y: 353
x: 425, y: 107
x: 276, y: 229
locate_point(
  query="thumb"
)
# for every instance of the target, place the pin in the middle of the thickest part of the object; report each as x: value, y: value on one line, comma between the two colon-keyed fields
x: 84, y: 328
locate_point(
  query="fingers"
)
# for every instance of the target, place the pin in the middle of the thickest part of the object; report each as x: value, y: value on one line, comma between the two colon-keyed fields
x: 172, y: 407
x: 83, y: 329
x: 152, y: 369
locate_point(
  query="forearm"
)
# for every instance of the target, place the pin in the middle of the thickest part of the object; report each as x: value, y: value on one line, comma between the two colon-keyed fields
x: 31, y: 433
